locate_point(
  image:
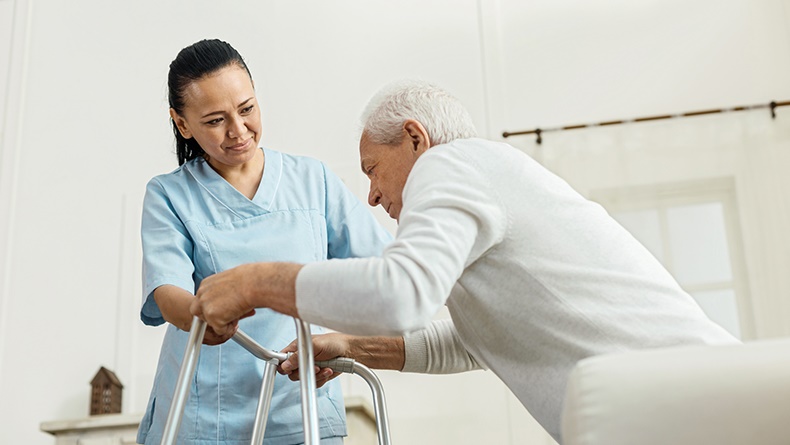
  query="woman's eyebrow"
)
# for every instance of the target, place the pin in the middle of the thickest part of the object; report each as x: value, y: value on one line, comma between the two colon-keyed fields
x: 220, y: 112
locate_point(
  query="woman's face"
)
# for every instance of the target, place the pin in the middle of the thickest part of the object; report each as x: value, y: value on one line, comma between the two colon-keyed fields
x: 222, y: 114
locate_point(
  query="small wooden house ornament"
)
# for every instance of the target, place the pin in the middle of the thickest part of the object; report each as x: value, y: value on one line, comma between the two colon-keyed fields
x: 106, y: 392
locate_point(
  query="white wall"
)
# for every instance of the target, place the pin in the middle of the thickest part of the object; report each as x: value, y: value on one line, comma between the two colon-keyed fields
x: 87, y: 126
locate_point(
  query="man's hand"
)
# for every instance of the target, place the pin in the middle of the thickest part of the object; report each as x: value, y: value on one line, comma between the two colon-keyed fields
x: 222, y: 300
x: 325, y: 347
x: 229, y: 296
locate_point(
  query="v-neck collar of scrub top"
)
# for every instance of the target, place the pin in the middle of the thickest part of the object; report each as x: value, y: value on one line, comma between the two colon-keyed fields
x: 230, y: 197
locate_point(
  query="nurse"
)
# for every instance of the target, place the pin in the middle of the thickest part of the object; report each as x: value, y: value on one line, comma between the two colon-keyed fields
x: 228, y: 203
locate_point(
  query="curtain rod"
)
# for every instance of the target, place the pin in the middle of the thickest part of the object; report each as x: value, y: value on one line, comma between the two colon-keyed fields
x: 538, y: 132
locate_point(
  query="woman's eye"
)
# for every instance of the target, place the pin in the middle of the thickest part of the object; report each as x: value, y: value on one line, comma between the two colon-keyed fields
x: 214, y: 121
x: 248, y: 109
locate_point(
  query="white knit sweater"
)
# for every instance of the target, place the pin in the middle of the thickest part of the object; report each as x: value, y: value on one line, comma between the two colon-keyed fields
x: 535, y: 276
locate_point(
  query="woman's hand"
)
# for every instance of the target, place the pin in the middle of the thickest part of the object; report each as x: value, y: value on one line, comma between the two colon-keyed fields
x: 211, y: 337
x: 325, y: 347
x: 174, y: 304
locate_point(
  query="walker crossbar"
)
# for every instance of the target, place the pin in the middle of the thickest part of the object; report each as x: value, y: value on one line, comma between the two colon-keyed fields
x: 273, y: 359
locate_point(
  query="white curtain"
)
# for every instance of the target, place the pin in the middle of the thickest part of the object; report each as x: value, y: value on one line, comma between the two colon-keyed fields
x: 748, y: 148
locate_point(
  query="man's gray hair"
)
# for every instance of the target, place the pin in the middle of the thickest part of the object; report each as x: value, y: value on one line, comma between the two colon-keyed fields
x: 443, y: 116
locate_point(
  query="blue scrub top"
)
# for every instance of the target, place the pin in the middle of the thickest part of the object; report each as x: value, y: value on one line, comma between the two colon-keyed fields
x: 196, y: 224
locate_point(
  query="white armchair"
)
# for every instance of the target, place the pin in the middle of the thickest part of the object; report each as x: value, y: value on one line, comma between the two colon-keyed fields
x: 722, y: 395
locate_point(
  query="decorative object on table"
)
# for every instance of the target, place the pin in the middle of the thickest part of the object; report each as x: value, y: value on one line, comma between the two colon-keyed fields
x: 106, y: 392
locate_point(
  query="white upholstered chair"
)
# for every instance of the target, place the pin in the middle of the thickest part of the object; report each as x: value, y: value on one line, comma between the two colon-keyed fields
x: 718, y: 395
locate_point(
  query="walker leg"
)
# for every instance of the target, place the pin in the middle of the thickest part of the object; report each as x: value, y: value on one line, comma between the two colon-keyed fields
x: 379, y: 404
x: 196, y: 333
x: 273, y: 359
x: 307, y: 381
x: 264, y: 402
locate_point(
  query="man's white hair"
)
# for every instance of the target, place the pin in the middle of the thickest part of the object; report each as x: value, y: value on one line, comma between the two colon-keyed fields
x: 443, y: 116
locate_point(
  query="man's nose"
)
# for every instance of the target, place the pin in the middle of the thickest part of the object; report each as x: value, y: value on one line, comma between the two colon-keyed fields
x: 374, y: 197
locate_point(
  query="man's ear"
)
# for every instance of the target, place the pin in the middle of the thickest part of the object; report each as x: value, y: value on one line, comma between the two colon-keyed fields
x: 418, y: 136
x: 181, y: 124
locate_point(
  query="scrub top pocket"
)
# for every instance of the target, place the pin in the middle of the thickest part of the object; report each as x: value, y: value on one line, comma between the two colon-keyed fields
x: 295, y: 236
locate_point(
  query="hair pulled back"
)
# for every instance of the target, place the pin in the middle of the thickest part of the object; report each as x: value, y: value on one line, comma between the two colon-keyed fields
x: 191, y: 64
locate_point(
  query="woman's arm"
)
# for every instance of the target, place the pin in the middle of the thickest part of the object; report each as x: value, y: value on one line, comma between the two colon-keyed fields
x: 352, y: 231
x: 174, y: 304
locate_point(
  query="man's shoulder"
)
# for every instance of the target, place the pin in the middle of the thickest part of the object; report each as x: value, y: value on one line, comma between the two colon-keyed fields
x: 452, y: 161
x: 476, y: 150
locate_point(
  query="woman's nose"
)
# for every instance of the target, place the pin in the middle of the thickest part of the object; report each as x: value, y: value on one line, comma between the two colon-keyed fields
x: 237, y: 128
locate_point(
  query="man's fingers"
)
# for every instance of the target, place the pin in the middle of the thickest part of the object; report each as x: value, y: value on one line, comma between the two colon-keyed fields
x: 291, y: 363
x: 249, y: 314
x: 322, y: 375
x: 196, y: 309
x: 290, y: 348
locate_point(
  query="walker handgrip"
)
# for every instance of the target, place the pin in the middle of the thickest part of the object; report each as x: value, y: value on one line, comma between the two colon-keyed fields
x: 337, y: 364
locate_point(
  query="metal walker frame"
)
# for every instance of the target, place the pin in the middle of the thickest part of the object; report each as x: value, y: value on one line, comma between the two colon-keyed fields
x: 273, y: 359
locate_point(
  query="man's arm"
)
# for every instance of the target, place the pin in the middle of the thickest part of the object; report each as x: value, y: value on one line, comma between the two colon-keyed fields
x: 436, y: 349
x: 373, y: 352
x: 449, y: 221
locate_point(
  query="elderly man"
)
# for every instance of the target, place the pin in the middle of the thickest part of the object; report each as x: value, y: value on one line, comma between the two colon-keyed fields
x: 535, y: 276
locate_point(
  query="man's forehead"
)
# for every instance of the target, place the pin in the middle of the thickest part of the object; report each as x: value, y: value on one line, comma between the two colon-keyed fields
x: 365, y: 146
x: 364, y: 139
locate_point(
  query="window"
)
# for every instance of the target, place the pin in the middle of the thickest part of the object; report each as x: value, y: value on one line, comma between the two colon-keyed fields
x: 693, y: 230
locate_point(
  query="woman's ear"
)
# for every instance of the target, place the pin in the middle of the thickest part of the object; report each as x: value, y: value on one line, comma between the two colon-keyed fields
x: 181, y: 124
x: 417, y: 135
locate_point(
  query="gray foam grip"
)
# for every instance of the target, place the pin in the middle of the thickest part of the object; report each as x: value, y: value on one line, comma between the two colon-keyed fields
x: 339, y: 364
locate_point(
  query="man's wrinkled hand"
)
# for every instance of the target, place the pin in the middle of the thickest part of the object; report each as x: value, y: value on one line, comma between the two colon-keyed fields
x: 325, y: 347
x: 221, y: 300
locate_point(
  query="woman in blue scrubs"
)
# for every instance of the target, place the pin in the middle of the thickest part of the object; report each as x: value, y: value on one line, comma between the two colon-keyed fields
x: 231, y: 202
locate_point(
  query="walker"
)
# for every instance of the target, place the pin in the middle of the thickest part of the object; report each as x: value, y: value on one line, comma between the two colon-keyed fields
x: 273, y: 359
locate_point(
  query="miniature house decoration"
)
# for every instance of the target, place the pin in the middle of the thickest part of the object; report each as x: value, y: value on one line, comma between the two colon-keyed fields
x: 106, y: 392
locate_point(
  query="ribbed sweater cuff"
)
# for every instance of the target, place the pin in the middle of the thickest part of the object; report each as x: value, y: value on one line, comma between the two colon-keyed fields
x: 416, y: 352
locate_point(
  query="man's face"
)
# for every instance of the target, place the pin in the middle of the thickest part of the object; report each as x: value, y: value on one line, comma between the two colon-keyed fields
x: 388, y: 167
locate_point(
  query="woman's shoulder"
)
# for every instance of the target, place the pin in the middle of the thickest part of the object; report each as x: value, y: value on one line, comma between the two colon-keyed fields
x: 295, y: 159
x: 296, y: 163
x: 174, y: 178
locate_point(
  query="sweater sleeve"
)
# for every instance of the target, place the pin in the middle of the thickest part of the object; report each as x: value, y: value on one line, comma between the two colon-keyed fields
x: 449, y: 219
x: 437, y: 349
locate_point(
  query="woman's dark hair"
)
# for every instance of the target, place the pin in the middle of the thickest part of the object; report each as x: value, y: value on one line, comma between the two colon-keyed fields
x: 193, y: 63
